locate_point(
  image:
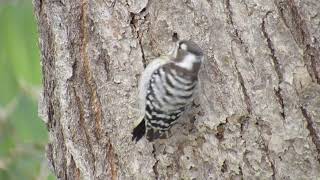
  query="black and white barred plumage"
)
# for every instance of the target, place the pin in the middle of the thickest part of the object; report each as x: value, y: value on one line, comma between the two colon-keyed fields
x: 168, y: 89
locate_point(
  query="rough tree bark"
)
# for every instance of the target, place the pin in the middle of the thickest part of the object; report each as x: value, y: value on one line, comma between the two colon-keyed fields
x: 258, y: 114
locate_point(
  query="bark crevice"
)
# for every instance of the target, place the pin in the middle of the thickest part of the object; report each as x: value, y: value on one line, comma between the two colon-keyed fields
x: 298, y: 28
x: 244, y: 91
x: 110, y: 156
x: 237, y: 37
x: 229, y: 13
x: 84, y: 128
x: 276, y: 64
x: 88, y: 75
x: 155, y: 166
x: 135, y: 24
x: 313, y: 133
x: 265, y: 148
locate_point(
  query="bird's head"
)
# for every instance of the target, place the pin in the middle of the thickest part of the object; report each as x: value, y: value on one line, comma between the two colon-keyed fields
x: 188, y: 55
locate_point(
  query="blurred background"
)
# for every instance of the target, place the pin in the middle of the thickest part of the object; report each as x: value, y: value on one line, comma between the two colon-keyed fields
x: 23, y: 135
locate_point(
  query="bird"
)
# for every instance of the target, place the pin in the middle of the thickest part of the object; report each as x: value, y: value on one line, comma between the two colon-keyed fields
x: 166, y: 88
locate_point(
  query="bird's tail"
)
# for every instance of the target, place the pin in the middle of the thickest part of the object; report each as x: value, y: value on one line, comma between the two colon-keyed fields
x: 153, y: 134
x: 139, y: 131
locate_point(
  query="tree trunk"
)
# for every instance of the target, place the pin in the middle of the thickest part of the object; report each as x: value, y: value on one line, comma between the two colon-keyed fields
x: 258, y: 113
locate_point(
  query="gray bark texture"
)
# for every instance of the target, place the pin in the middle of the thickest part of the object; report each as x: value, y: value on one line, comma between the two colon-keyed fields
x: 258, y: 112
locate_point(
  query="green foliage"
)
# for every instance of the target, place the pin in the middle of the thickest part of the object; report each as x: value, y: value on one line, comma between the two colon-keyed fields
x: 23, y: 135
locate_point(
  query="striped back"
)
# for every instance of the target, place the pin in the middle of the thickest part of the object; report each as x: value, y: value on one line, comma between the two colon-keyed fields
x: 168, y: 95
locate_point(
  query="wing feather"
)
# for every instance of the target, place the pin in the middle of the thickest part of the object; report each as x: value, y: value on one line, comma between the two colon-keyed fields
x: 145, y: 79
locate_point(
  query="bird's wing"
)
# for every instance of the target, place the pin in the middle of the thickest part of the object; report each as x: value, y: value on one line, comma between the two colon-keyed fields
x: 145, y: 79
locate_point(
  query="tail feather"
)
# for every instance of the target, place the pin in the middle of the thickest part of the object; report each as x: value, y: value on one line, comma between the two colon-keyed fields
x: 139, y: 131
x: 153, y: 134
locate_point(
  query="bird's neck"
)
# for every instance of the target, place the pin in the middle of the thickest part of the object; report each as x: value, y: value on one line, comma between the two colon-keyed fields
x: 188, y: 62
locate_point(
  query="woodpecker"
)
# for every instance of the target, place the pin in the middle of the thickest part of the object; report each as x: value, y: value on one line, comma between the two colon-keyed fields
x: 167, y: 87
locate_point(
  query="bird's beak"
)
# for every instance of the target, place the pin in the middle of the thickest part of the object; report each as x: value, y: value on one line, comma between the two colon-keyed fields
x: 173, y: 53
